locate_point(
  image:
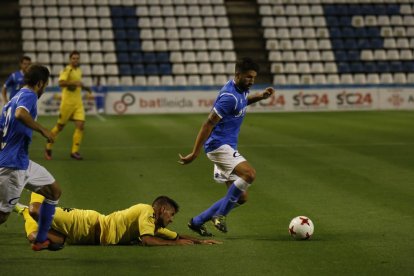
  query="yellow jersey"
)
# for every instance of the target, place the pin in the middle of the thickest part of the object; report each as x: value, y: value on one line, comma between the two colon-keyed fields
x: 127, y: 226
x: 71, y: 95
x: 77, y: 225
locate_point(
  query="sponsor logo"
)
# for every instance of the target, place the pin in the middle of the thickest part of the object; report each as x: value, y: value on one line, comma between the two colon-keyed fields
x: 354, y: 99
x: 310, y: 100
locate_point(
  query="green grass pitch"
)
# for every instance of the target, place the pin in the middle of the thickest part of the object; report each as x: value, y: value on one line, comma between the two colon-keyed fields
x: 352, y: 173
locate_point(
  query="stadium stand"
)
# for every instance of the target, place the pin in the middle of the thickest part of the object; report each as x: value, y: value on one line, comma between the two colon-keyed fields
x: 145, y: 42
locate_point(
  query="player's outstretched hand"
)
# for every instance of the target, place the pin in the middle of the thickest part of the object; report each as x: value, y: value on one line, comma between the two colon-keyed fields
x: 268, y: 92
x: 186, y: 159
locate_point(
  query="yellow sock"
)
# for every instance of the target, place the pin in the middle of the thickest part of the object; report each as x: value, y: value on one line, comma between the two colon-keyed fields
x: 55, y: 132
x: 30, y: 225
x: 77, y: 139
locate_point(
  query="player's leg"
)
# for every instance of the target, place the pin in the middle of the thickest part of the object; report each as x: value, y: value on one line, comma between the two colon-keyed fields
x: 41, y: 181
x: 11, y: 186
x: 77, y: 139
x: 64, y: 115
x: 79, y: 118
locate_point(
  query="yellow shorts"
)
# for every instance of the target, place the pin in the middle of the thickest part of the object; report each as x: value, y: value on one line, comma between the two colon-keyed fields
x: 74, y: 112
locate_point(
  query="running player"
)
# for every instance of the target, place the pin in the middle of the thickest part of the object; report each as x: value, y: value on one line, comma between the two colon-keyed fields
x: 17, y: 123
x: 16, y: 80
x: 71, y: 106
x: 219, y: 135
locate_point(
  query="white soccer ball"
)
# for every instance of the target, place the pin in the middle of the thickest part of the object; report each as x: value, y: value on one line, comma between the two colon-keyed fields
x: 301, y: 228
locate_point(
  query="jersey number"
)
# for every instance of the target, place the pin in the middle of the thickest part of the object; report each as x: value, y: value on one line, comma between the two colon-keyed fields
x: 5, y: 128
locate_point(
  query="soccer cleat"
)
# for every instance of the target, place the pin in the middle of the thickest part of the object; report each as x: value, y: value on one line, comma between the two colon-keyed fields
x: 201, y: 230
x: 38, y: 246
x: 76, y: 155
x: 19, y: 208
x: 48, y: 154
x: 220, y: 223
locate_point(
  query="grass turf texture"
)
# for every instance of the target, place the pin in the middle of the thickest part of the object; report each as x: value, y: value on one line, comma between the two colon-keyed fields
x: 351, y: 173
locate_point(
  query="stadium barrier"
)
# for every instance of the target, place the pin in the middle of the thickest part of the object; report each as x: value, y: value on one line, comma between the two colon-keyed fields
x: 156, y: 100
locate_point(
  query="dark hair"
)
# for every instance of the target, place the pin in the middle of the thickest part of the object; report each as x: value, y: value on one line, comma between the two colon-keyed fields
x: 36, y: 73
x: 246, y: 64
x: 165, y: 200
x: 74, y: 53
x: 25, y: 58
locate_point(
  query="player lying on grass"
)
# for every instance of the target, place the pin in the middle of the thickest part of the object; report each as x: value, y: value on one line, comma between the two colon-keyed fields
x: 140, y: 224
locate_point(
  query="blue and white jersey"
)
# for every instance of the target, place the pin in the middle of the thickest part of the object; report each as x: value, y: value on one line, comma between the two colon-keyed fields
x: 230, y: 106
x: 14, y: 82
x: 16, y: 137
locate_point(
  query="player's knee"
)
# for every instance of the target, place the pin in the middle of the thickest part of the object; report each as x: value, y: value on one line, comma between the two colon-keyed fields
x: 34, y: 210
x: 250, y: 175
x: 55, y: 192
x: 3, y: 217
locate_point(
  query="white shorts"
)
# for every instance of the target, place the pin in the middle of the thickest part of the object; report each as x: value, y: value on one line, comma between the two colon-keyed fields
x: 225, y: 159
x: 13, y: 181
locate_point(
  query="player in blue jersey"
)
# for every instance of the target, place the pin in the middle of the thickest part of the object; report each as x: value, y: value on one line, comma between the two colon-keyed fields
x: 16, y: 80
x: 219, y: 135
x: 17, y: 122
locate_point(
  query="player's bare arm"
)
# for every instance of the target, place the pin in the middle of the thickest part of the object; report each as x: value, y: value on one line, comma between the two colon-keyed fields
x: 64, y: 83
x: 155, y: 241
x: 260, y: 96
x: 202, y: 136
x: 25, y: 117
x: 199, y: 241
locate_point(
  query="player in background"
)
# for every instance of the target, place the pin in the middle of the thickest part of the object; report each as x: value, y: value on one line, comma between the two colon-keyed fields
x: 16, y: 80
x: 140, y: 224
x: 17, y: 122
x: 71, y: 106
x: 219, y: 135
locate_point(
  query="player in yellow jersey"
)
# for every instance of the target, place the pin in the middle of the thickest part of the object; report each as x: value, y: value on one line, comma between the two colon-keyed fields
x: 71, y: 106
x: 140, y: 224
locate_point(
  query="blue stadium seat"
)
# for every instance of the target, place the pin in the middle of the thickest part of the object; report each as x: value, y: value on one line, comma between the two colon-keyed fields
x: 380, y: 9
x: 135, y: 57
x: 332, y: 21
x: 163, y: 57
x: 337, y: 43
x: 133, y: 34
x: 360, y: 32
x: 149, y: 57
x: 408, y: 66
x: 366, y: 9
x: 347, y: 32
x: 117, y: 11
x: 377, y: 43
x: 165, y: 69
x: 134, y: 45
x: 354, y: 55
x: 373, y: 32
x: 393, y: 9
x: 370, y: 67
x: 363, y: 43
x: 122, y: 57
x: 343, y: 67
x: 125, y: 70
x: 345, y: 21
x: 121, y: 46
x: 335, y: 32
x: 396, y: 66
x: 131, y: 22
x: 383, y: 67
x: 138, y: 69
x: 151, y: 69
x: 120, y: 34
x: 357, y: 67
x: 129, y: 11
x: 118, y: 23
x: 341, y: 56
x: 351, y: 44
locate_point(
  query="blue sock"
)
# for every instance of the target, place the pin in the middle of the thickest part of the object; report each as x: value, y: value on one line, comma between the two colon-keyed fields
x: 46, y: 213
x: 207, y: 214
x: 229, y: 200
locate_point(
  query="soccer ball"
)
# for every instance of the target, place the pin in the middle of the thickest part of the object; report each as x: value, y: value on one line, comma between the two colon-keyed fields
x: 301, y: 228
